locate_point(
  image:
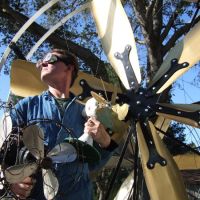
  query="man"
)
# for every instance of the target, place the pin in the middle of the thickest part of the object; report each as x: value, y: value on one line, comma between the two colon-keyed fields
x: 59, y: 70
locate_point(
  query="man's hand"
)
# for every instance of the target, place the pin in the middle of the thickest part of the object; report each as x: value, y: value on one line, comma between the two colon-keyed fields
x: 23, y: 189
x: 97, y: 131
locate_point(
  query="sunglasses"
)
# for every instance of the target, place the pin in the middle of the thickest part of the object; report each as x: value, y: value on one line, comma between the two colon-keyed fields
x: 48, y: 58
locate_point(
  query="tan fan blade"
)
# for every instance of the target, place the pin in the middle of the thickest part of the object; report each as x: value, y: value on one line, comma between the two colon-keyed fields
x: 33, y: 138
x: 31, y: 84
x: 63, y: 153
x: 184, y: 113
x: 188, y: 161
x: 162, y: 124
x: 50, y: 184
x: 186, y: 50
x: 163, y: 182
x: 115, y: 33
x: 18, y: 173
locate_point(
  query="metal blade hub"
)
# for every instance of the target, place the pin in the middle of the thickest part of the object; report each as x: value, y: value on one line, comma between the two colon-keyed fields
x: 141, y: 104
x: 46, y: 163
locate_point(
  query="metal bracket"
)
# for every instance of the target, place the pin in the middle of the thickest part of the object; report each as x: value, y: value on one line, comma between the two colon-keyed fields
x: 195, y: 116
x: 124, y: 57
x: 154, y: 156
x: 87, y: 89
x: 175, y: 66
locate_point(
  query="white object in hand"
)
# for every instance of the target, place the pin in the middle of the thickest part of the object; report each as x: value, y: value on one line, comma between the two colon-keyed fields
x: 90, y: 110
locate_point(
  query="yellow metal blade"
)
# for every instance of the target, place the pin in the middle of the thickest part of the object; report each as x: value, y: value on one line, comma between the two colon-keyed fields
x: 190, y: 108
x: 163, y: 182
x: 186, y: 50
x: 115, y: 33
x: 188, y: 161
x: 162, y: 124
x: 25, y: 81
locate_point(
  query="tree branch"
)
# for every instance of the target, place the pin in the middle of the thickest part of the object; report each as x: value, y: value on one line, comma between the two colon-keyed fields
x: 157, y: 19
x: 150, y: 9
x: 180, y: 32
x: 84, y: 54
x: 171, y: 22
x: 140, y: 11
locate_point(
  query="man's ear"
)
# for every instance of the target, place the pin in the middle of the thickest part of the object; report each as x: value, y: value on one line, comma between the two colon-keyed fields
x: 71, y: 68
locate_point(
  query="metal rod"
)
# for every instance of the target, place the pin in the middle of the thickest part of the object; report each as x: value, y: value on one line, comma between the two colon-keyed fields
x: 120, y: 161
x: 135, y: 169
x: 179, y: 142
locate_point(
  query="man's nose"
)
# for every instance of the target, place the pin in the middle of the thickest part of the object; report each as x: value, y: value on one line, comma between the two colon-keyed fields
x: 44, y: 64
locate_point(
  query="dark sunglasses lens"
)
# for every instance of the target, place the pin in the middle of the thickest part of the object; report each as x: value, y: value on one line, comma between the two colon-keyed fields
x: 50, y: 58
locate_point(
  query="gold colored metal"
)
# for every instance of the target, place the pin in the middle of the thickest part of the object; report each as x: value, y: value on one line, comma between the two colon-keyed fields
x: 181, y: 107
x: 188, y: 161
x: 163, y: 182
x: 115, y: 33
x: 29, y: 83
x: 186, y: 50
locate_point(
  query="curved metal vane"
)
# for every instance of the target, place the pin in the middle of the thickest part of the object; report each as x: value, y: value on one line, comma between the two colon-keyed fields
x: 24, y: 28
x: 86, y: 152
x: 63, y: 153
x: 50, y: 184
x: 33, y: 138
x: 18, y: 173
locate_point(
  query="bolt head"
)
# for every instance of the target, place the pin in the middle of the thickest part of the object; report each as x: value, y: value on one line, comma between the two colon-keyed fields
x: 117, y: 55
x: 138, y: 102
x: 128, y: 47
x: 185, y: 64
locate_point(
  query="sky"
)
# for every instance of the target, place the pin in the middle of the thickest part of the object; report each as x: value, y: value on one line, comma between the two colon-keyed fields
x: 4, y: 80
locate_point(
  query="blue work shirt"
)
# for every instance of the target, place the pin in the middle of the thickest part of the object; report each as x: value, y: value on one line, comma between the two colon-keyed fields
x: 73, y: 178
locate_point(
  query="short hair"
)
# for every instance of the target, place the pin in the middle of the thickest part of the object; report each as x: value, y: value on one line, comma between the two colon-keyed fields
x: 69, y: 59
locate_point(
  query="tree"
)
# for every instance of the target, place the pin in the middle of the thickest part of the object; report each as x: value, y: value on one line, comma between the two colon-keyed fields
x: 157, y: 25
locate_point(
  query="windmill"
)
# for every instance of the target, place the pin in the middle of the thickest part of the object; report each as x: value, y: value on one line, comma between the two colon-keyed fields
x: 144, y: 105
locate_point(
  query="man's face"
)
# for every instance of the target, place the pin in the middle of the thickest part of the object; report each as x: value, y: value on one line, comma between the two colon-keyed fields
x: 52, y: 67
